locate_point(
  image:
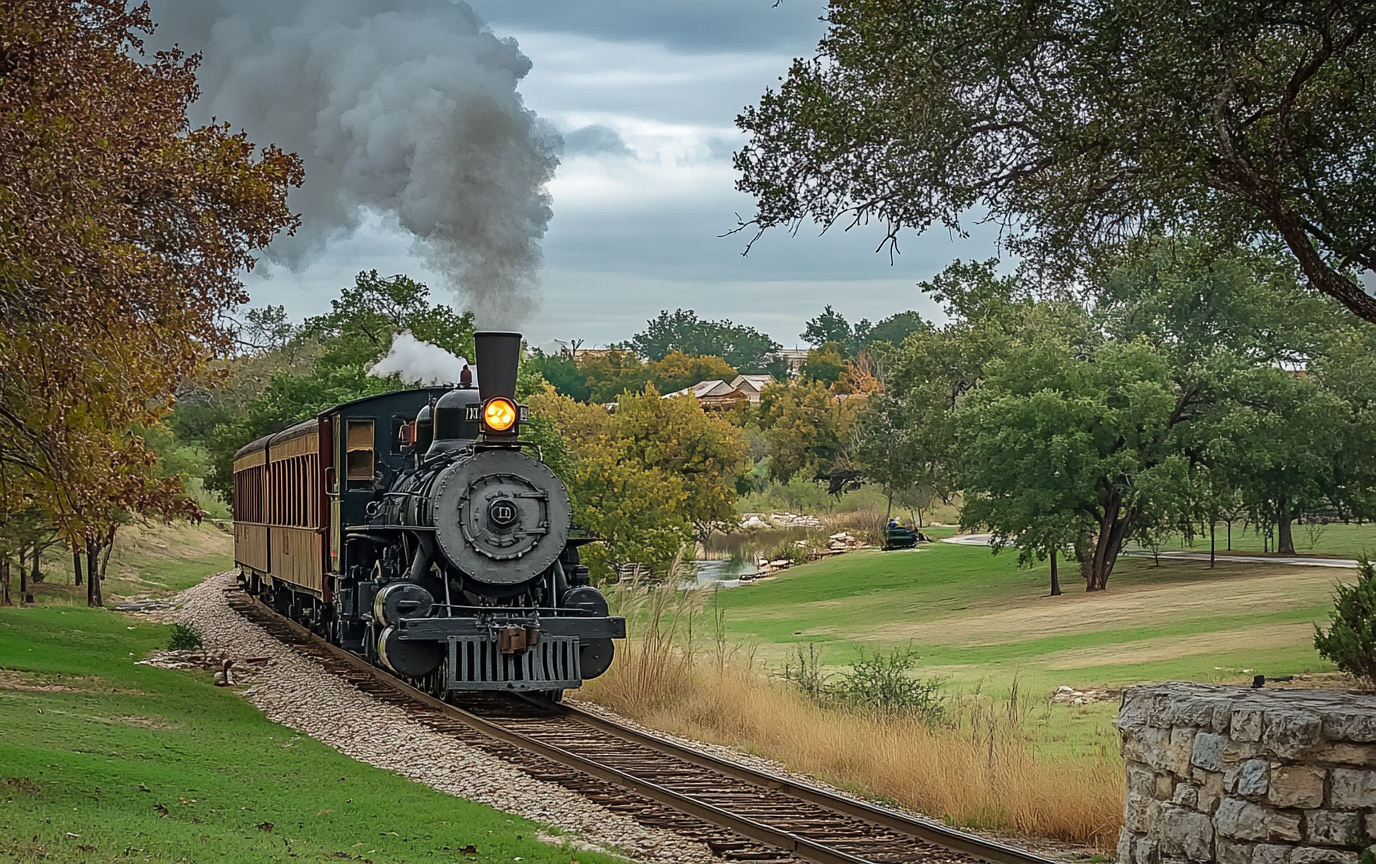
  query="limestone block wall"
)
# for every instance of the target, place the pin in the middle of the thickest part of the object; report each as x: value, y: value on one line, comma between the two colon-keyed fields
x: 1242, y: 776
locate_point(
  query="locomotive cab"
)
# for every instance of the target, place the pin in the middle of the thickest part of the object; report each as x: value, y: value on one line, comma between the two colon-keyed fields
x: 444, y: 548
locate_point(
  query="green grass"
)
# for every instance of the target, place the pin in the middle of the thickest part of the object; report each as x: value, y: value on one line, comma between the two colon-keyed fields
x: 976, y: 617
x: 147, y: 559
x: 87, y: 772
x: 1342, y: 541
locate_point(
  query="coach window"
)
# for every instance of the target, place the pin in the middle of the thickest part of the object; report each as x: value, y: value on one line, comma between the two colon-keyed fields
x: 358, y: 458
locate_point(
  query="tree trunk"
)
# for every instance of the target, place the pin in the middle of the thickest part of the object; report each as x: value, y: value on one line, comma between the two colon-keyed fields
x: 109, y: 547
x: 1285, y: 538
x: 1230, y: 535
x: 36, y: 575
x: 1055, y: 577
x: 1113, y: 527
x: 93, y: 595
x: 24, y: 574
x: 888, y: 511
x: 1213, y: 529
x: 5, y: 582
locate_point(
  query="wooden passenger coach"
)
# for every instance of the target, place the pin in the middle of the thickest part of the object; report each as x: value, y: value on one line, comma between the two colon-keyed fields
x: 297, y: 492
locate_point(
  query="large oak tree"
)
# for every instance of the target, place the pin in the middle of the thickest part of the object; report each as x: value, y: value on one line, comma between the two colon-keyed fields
x: 1080, y: 125
x: 123, y: 232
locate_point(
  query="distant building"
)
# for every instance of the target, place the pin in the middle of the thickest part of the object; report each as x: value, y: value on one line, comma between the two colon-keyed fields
x: 795, y: 357
x: 713, y: 395
x: 752, y: 386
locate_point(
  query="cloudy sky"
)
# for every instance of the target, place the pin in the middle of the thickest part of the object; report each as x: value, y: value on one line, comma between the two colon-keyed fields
x: 645, y: 95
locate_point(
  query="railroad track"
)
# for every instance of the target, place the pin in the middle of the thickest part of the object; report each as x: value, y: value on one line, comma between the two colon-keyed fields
x: 741, y: 814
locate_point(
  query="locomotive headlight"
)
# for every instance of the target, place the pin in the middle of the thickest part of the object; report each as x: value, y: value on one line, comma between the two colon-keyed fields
x: 499, y: 414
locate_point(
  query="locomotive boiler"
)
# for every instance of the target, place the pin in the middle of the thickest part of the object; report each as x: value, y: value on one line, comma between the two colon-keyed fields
x: 418, y: 530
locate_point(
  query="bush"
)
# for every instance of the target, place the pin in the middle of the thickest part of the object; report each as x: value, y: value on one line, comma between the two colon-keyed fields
x: 881, y: 682
x: 1351, y: 641
x: 877, y: 682
x: 185, y: 637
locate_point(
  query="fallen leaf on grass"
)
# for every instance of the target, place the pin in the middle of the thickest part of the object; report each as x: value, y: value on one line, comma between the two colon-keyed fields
x: 161, y: 808
x: 84, y: 848
x: 470, y: 849
x: 323, y: 812
x: 73, y: 836
x: 265, y: 826
x: 143, y: 788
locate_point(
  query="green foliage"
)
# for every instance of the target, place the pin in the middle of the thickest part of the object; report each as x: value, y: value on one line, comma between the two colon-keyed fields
x: 183, y: 637
x: 883, y: 682
x: 348, y: 340
x: 824, y: 365
x: 1056, y: 444
x: 562, y: 372
x: 1350, y: 641
x: 743, y: 348
x: 832, y: 326
x: 878, y: 681
x: 806, y: 429
x: 1081, y: 128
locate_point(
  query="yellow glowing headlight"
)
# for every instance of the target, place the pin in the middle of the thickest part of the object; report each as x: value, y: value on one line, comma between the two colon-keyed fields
x: 499, y: 414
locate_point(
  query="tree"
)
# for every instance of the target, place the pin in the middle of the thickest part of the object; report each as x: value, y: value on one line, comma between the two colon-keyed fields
x: 1350, y: 642
x: 742, y: 347
x: 678, y: 370
x: 807, y: 429
x: 832, y: 327
x: 561, y: 371
x: 347, y: 341
x: 705, y: 452
x: 1059, y: 438
x: 825, y: 365
x: 1083, y: 127
x: 122, y: 235
x: 1283, y: 439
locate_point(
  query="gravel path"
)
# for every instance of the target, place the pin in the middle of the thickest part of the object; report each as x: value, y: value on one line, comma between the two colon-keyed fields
x: 298, y: 693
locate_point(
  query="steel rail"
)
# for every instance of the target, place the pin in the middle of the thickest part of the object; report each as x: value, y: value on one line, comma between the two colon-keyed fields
x: 977, y: 847
x: 986, y: 850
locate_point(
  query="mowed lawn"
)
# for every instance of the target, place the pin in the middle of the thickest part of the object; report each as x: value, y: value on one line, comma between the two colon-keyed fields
x: 104, y: 760
x: 976, y: 619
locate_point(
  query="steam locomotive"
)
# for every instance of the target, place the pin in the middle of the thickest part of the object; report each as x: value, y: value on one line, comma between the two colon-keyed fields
x: 417, y: 530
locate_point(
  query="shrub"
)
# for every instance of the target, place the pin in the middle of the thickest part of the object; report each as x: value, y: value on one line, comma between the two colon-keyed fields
x: 185, y: 637
x: 1351, y: 640
x: 882, y: 682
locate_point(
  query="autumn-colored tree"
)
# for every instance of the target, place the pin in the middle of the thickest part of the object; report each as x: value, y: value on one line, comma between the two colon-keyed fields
x: 122, y: 234
x: 678, y: 370
x: 807, y: 429
x: 705, y: 451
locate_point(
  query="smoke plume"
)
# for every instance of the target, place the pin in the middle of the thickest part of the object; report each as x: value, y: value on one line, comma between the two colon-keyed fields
x: 422, y: 363
x: 407, y: 107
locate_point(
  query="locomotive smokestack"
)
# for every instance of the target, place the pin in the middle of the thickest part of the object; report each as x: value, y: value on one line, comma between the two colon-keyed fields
x: 499, y: 355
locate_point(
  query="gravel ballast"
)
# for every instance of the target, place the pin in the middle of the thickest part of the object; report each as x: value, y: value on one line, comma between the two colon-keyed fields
x: 298, y: 693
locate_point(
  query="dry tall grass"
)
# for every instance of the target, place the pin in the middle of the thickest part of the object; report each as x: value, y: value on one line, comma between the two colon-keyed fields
x: 975, y: 770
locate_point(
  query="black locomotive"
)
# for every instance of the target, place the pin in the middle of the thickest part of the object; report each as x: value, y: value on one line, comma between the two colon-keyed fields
x: 416, y: 529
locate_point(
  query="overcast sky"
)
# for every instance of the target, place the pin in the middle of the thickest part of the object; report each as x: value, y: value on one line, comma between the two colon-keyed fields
x: 646, y: 95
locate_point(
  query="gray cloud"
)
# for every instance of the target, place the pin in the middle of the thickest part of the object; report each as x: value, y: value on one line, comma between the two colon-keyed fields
x: 595, y: 140
x: 407, y: 107
x: 701, y: 24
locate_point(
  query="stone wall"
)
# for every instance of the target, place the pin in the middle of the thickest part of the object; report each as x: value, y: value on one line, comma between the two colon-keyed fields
x: 1243, y: 776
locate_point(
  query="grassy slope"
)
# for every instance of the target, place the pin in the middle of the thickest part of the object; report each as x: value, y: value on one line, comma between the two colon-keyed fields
x: 147, y: 559
x: 75, y: 761
x: 980, y: 622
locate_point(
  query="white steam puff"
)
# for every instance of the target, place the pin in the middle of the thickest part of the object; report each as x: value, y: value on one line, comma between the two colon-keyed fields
x: 408, y: 107
x: 418, y: 362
